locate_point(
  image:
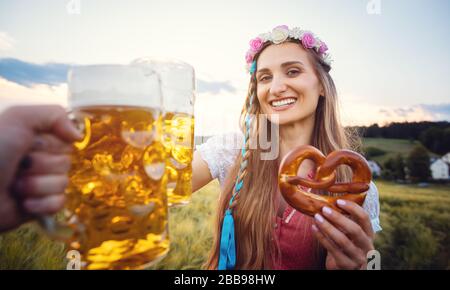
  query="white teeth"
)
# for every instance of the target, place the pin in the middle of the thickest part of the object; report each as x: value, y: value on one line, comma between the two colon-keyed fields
x: 283, y: 102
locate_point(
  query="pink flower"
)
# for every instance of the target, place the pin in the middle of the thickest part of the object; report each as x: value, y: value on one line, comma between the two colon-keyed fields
x: 256, y: 44
x: 249, y: 56
x: 308, y: 40
x: 323, y: 48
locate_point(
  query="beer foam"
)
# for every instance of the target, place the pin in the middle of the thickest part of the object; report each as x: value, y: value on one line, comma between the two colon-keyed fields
x: 121, y: 85
x: 177, y: 82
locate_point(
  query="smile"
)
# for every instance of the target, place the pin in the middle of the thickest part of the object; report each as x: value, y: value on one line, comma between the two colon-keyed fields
x: 283, y: 103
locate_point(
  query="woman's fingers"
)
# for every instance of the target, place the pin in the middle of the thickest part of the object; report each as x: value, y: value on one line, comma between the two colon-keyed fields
x: 40, y: 185
x: 39, y: 163
x: 358, y: 214
x: 341, y: 260
x: 44, y: 205
x: 340, y: 239
x: 354, y: 231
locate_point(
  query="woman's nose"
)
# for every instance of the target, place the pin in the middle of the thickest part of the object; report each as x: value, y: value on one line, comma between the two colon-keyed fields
x: 278, y: 86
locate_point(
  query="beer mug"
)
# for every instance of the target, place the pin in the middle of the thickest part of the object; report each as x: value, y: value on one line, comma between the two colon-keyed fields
x: 178, y: 89
x: 116, y: 212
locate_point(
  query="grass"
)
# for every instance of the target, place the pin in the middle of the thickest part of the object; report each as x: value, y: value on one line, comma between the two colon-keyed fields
x: 190, y: 230
x: 416, y: 226
x: 27, y: 248
x: 393, y: 147
x: 415, y: 221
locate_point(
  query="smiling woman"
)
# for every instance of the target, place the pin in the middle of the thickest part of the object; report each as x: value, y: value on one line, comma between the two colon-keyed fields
x: 287, y: 83
x: 290, y: 86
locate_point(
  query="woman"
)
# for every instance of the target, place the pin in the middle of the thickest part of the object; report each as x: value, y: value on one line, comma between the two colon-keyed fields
x: 290, y: 84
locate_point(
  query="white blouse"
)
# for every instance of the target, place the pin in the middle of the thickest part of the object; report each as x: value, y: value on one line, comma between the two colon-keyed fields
x: 220, y: 151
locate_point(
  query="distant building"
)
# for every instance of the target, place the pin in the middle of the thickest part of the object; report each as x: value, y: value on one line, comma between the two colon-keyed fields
x: 446, y: 158
x: 374, y: 168
x: 439, y: 169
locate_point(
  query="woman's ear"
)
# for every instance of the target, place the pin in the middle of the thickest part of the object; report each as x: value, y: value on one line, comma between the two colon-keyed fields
x: 322, y: 91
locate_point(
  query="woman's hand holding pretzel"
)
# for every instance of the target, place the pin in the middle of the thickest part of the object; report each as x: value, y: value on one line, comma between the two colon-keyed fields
x: 347, y: 239
x: 341, y: 225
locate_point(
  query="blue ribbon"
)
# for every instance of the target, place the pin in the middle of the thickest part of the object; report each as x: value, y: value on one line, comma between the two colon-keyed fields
x: 227, y: 258
x: 253, y: 67
x: 247, y: 121
x: 239, y: 186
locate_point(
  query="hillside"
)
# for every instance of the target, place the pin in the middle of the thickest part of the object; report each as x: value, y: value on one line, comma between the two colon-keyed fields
x: 391, y: 146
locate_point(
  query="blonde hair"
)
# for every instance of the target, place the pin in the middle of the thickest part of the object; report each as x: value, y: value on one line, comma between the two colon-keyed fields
x: 255, y: 207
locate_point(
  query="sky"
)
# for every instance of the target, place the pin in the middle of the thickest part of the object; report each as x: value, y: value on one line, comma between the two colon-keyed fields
x: 391, y: 59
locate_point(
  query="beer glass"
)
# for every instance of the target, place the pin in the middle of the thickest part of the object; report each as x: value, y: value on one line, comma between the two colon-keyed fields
x: 178, y: 89
x: 116, y: 203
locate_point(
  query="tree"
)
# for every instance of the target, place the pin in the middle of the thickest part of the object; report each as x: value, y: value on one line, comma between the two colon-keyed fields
x: 418, y: 163
x: 373, y: 131
x: 399, y: 168
x: 432, y: 138
x: 406, y: 130
x: 372, y: 152
x: 446, y: 140
x: 388, y: 169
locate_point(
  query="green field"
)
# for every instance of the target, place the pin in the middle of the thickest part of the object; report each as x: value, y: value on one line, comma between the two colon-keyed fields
x: 393, y: 147
x: 415, y: 221
x: 416, y: 226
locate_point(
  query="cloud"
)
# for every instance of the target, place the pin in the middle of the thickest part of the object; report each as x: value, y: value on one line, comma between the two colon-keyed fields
x: 354, y: 113
x: 13, y: 94
x: 218, y: 103
x: 26, y: 73
x: 440, y: 111
x: 421, y: 112
x: 214, y: 113
x: 385, y: 112
x: 6, y: 41
x: 403, y: 112
x: 217, y: 107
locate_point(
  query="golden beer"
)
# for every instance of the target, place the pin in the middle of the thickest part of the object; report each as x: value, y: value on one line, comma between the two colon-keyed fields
x: 178, y: 140
x: 116, y: 199
x: 177, y: 80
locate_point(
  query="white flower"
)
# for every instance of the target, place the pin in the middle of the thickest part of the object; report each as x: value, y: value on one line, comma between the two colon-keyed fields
x: 265, y: 37
x: 279, y: 34
x: 327, y: 59
x: 318, y: 43
x: 296, y: 33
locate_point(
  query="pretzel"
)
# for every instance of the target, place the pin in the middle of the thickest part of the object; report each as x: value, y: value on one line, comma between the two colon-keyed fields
x: 325, y: 179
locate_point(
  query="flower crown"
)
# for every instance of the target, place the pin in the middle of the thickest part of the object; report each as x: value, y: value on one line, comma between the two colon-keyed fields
x: 279, y: 35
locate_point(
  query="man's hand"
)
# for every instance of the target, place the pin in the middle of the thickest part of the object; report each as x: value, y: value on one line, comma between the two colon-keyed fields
x: 34, y: 161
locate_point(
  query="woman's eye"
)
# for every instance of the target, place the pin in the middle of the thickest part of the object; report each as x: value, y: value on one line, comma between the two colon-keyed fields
x: 264, y: 78
x: 293, y: 72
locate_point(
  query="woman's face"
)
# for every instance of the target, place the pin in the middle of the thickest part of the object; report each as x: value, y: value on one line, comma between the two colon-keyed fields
x: 286, y: 83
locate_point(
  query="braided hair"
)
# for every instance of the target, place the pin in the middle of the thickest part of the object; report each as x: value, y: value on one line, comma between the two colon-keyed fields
x: 227, y: 258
